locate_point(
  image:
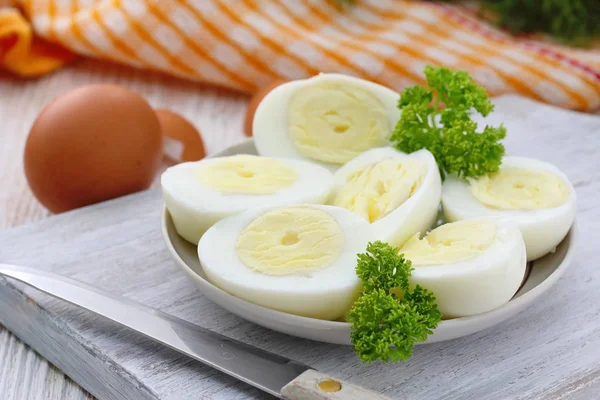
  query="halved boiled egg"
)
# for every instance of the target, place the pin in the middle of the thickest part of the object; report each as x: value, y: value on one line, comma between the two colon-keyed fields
x: 198, y: 194
x: 298, y: 259
x: 329, y: 119
x: 397, y: 193
x: 534, y: 195
x: 471, y: 266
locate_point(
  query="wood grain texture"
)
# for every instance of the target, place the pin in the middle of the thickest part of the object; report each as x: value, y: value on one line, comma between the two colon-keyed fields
x: 550, y: 351
x: 23, y: 373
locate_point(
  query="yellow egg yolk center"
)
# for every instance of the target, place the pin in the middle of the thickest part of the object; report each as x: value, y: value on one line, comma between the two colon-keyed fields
x: 376, y: 190
x: 450, y: 243
x: 289, y: 241
x: 246, y: 174
x: 520, y: 189
x: 334, y: 122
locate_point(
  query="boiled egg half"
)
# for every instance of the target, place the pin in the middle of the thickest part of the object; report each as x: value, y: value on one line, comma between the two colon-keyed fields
x: 534, y: 195
x: 328, y: 119
x: 298, y: 259
x: 398, y: 194
x: 198, y: 194
x: 471, y: 266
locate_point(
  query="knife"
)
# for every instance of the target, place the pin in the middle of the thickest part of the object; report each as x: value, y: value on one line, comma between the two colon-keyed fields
x: 272, y: 373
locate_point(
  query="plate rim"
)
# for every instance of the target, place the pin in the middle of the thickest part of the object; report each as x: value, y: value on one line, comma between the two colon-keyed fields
x: 516, y: 303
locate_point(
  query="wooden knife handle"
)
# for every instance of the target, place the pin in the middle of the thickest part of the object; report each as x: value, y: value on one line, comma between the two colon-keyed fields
x: 313, y: 385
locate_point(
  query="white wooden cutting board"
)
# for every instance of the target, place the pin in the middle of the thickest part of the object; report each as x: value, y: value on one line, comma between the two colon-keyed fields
x: 551, y: 351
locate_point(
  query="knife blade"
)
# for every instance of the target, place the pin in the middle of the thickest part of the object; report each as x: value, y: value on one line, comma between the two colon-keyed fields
x: 272, y: 373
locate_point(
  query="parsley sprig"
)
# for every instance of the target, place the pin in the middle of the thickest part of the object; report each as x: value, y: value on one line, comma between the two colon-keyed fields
x: 439, y: 119
x: 389, y: 317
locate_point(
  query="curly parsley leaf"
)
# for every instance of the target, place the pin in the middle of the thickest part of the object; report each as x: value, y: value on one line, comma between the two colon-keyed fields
x: 381, y: 267
x: 386, y: 327
x: 439, y: 120
x: 468, y: 153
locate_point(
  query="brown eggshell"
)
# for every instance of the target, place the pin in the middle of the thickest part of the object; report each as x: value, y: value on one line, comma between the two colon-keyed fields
x: 94, y: 143
x: 255, y: 100
x: 182, y: 140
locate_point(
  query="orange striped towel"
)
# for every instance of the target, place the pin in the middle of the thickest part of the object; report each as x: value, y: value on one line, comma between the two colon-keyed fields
x: 243, y: 44
x: 21, y: 52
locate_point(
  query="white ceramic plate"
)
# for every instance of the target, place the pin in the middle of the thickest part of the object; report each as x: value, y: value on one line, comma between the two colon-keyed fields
x: 541, y: 275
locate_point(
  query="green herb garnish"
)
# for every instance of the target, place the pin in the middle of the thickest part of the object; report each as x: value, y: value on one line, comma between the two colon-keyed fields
x: 389, y: 317
x: 439, y: 120
x: 575, y: 22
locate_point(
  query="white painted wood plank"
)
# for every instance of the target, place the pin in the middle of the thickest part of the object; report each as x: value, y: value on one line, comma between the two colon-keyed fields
x: 216, y: 112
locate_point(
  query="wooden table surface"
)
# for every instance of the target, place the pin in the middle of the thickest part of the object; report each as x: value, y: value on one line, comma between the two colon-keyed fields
x: 217, y: 113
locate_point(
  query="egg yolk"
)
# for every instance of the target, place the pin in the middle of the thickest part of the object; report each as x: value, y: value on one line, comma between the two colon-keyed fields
x: 523, y: 189
x: 246, y: 174
x: 289, y: 241
x: 378, y: 189
x: 334, y: 122
x: 450, y: 243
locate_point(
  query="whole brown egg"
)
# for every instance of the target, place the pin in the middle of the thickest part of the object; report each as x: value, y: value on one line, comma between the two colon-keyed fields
x: 94, y: 143
x: 255, y: 101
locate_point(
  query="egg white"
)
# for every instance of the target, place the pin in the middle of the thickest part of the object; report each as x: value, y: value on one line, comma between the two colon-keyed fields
x: 195, y: 208
x: 542, y: 229
x: 270, y: 124
x: 416, y: 214
x: 326, y: 293
x: 481, y: 283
